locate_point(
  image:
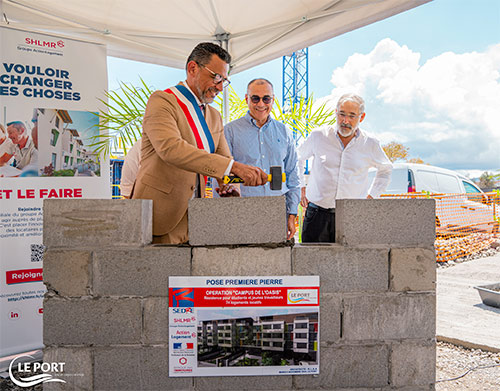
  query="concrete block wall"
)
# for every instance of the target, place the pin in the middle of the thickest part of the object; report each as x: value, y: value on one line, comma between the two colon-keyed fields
x: 106, y: 310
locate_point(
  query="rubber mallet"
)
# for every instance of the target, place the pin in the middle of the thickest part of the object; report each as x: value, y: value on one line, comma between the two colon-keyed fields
x: 275, y: 178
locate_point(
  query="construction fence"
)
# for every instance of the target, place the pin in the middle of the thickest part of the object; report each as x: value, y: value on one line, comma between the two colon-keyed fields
x: 465, y: 223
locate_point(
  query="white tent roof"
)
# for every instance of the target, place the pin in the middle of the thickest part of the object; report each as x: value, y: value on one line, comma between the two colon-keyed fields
x: 165, y: 31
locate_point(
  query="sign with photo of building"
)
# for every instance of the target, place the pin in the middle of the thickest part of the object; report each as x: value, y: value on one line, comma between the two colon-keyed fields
x: 50, y: 87
x: 243, y: 326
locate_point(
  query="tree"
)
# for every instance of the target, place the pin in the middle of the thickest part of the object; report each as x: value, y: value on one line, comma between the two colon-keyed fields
x: 120, y: 124
x: 396, y: 151
x: 415, y: 160
x: 487, y: 180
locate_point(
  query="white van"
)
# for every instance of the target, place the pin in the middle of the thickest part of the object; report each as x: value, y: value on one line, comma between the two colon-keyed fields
x: 460, y: 205
x: 410, y: 177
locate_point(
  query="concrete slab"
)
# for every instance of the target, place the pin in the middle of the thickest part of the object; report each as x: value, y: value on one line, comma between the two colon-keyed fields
x: 462, y: 318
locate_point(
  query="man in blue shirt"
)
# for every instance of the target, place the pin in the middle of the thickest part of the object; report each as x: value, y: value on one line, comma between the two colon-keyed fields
x: 261, y: 141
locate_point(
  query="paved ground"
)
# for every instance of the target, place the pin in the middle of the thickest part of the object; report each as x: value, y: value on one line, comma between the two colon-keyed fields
x: 462, y: 318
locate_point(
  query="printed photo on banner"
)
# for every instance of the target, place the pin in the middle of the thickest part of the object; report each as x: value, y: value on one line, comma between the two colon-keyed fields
x: 65, y: 146
x: 244, y: 326
x: 53, y: 142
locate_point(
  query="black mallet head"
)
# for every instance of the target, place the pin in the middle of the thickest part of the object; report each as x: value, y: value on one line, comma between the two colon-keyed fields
x: 276, y: 177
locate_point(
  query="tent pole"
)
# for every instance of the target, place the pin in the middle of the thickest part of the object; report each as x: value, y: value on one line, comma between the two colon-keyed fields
x: 225, y: 96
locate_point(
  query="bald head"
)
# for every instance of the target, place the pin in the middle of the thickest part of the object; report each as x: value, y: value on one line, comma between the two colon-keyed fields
x: 259, y: 82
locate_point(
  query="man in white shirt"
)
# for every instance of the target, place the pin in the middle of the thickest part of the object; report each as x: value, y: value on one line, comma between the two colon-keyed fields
x: 342, y: 156
x: 7, y: 149
x: 25, y: 151
x: 131, y: 164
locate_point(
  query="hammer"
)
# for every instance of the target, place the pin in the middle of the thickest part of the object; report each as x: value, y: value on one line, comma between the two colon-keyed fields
x: 275, y: 178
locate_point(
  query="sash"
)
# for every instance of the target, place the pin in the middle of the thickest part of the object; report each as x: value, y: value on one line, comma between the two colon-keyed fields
x: 194, y: 116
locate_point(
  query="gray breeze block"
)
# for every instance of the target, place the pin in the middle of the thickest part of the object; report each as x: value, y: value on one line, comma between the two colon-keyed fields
x: 97, y: 223
x: 237, y: 220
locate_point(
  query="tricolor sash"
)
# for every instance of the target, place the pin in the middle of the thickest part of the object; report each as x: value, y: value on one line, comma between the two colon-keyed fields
x: 194, y: 116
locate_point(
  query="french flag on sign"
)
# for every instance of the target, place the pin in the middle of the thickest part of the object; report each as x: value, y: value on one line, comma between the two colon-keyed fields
x: 189, y: 345
x: 177, y: 345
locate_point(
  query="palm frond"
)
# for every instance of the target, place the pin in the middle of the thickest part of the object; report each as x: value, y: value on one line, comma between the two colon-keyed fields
x: 120, y: 124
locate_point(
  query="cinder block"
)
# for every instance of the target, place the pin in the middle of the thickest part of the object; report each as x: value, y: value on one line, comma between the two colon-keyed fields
x: 252, y: 383
x: 349, y: 367
x: 343, y: 269
x: 77, y: 369
x: 237, y: 220
x: 136, y: 369
x: 139, y: 272
x: 413, y: 269
x: 390, y: 316
x: 413, y: 364
x: 67, y: 272
x: 155, y: 319
x: 95, y: 223
x: 91, y: 321
x: 399, y: 222
x: 330, y: 325
x: 242, y: 261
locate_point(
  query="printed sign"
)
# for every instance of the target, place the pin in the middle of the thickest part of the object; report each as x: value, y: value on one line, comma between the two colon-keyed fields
x: 243, y: 326
x: 49, y: 93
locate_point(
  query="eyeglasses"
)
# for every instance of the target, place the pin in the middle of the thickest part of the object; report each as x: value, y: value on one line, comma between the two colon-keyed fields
x: 266, y: 99
x: 341, y: 114
x: 217, y: 78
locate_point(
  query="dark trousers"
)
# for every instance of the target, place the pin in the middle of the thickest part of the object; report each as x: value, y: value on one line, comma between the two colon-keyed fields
x: 319, y: 224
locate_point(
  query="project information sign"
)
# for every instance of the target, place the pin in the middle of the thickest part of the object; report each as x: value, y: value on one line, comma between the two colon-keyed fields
x: 243, y: 326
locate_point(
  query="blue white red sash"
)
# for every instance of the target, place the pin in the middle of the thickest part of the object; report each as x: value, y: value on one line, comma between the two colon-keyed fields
x: 194, y: 116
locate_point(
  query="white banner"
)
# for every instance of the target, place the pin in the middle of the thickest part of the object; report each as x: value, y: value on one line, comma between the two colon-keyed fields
x: 243, y: 326
x: 49, y: 87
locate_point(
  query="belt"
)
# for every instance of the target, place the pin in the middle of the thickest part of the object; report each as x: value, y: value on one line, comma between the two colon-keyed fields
x: 314, y: 206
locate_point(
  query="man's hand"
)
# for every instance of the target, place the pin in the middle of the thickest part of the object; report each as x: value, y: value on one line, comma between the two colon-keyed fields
x: 291, y: 226
x: 252, y: 176
x: 303, y: 199
x: 227, y: 190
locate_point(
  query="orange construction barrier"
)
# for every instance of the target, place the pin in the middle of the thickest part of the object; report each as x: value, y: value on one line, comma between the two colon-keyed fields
x: 465, y: 223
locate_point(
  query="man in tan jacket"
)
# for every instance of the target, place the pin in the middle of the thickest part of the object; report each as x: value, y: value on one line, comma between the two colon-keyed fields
x: 183, y: 142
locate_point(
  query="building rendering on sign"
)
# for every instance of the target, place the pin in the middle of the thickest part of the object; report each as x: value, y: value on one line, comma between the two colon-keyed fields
x: 61, y: 145
x: 292, y: 337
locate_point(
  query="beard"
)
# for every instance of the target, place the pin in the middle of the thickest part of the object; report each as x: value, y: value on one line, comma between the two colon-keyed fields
x: 346, y: 130
x: 205, y: 95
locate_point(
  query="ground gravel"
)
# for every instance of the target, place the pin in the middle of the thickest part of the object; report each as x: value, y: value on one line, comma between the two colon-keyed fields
x: 453, y: 361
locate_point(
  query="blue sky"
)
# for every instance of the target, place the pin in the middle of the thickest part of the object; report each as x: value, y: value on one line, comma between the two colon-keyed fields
x: 430, y: 77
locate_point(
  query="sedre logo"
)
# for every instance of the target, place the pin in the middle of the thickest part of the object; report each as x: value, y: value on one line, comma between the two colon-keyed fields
x: 44, y: 44
x: 34, y: 367
x: 185, y: 310
x: 302, y: 296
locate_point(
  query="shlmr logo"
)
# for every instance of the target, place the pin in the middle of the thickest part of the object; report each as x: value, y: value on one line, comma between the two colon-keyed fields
x: 183, y: 297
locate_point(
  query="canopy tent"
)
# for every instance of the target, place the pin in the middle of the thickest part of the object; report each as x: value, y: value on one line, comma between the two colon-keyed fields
x: 165, y: 31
